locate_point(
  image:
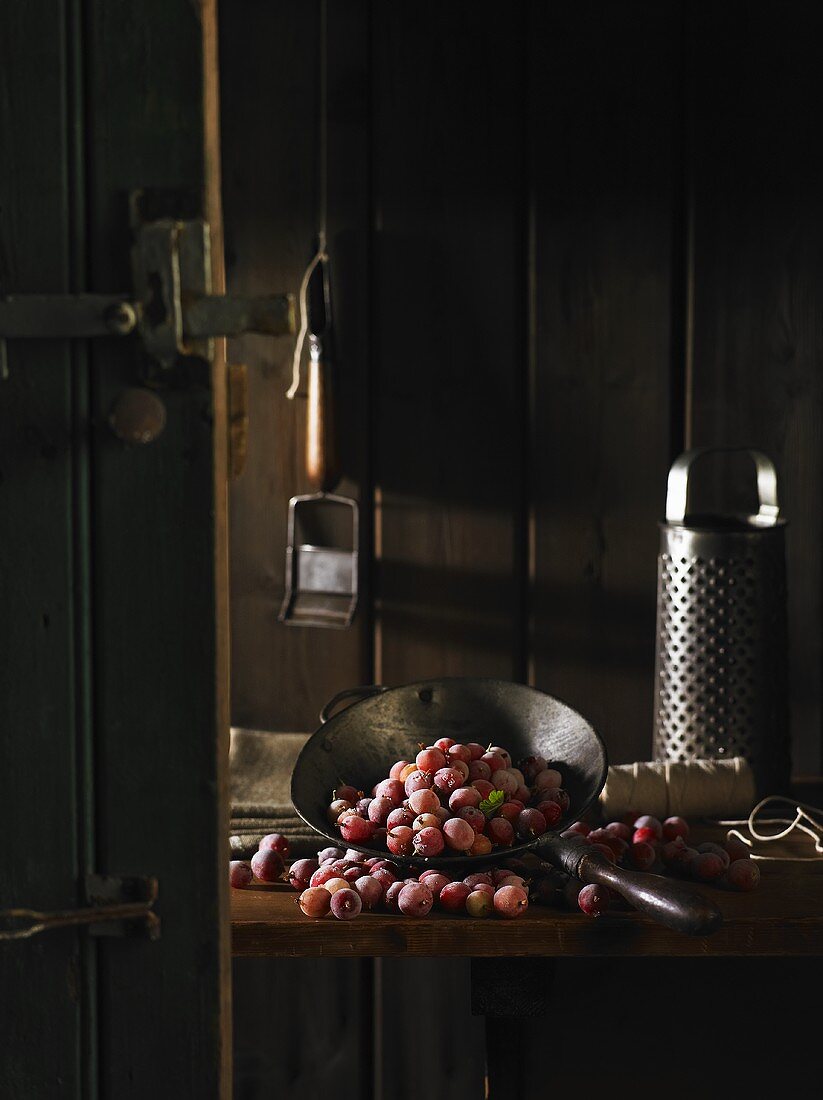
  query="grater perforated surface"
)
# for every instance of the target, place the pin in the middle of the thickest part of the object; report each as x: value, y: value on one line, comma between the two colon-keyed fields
x: 721, y: 647
x: 706, y: 677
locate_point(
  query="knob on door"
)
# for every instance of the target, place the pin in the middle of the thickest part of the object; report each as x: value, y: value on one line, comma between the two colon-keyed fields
x: 137, y: 416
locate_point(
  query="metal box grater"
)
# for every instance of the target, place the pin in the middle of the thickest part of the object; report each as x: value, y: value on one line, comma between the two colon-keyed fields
x: 721, y: 669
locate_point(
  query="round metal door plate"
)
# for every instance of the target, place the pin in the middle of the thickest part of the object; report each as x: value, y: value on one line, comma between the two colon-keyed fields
x: 137, y: 416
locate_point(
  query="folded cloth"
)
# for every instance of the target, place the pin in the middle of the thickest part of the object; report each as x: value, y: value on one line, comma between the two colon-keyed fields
x: 260, y: 767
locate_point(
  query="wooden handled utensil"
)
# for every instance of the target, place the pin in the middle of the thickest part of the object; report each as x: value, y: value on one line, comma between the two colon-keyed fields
x: 323, y: 527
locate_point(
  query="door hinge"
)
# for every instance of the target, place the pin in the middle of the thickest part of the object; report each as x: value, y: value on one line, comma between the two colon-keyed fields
x: 118, y: 905
x: 171, y: 308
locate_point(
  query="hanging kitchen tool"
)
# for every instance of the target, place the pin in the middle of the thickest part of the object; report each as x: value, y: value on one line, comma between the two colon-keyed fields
x: 322, y: 550
x: 721, y: 671
x: 357, y: 744
x: 323, y: 527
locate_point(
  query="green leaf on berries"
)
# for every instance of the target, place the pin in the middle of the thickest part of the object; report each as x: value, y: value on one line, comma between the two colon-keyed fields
x: 491, y: 804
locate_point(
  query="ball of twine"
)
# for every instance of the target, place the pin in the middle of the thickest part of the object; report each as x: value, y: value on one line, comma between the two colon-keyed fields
x: 697, y: 788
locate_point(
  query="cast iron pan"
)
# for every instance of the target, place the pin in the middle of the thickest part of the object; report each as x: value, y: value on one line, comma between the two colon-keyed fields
x: 358, y: 745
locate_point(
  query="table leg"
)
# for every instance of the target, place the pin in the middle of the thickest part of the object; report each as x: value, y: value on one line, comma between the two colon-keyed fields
x: 505, y: 991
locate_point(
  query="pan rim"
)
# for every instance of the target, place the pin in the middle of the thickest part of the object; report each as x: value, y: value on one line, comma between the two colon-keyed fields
x: 433, y: 862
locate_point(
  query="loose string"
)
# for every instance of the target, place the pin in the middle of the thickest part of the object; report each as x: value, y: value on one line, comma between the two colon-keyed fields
x: 319, y: 257
x: 708, y: 789
x: 803, y: 813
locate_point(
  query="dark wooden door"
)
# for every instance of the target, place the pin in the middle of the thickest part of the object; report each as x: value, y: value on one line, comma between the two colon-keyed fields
x: 113, y: 685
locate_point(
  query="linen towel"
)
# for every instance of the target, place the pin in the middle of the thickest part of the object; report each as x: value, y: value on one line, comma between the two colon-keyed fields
x: 260, y: 767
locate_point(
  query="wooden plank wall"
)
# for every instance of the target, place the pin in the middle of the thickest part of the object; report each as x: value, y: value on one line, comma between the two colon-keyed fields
x: 281, y: 676
x: 448, y: 343
x: 549, y: 275
x: 603, y: 149
x: 757, y: 172
x: 568, y: 243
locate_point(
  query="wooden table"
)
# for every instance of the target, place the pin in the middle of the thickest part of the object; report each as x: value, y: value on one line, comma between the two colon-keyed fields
x: 784, y: 916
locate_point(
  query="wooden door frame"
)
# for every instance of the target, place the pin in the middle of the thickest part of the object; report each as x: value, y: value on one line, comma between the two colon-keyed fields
x: 214, y: 215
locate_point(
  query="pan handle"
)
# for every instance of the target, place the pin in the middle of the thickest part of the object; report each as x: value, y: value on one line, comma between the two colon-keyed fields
x: 672, y: 903
x: 364, y: 692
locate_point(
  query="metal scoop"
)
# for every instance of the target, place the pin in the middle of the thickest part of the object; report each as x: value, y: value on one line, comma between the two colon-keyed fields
x: 323, y: 528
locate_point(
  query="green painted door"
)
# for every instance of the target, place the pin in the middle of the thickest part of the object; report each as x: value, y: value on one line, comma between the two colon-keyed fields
x: 113, y: 709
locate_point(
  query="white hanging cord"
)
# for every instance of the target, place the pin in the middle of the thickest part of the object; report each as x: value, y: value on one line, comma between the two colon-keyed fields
x: 319, y: 257
x: 802, y: 813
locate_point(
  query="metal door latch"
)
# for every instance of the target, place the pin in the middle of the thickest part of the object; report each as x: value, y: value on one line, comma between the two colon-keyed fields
x: 172, y: 309
x: 118, y: 906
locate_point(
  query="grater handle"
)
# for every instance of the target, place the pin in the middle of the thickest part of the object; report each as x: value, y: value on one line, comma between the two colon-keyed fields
x: 677, y: 494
